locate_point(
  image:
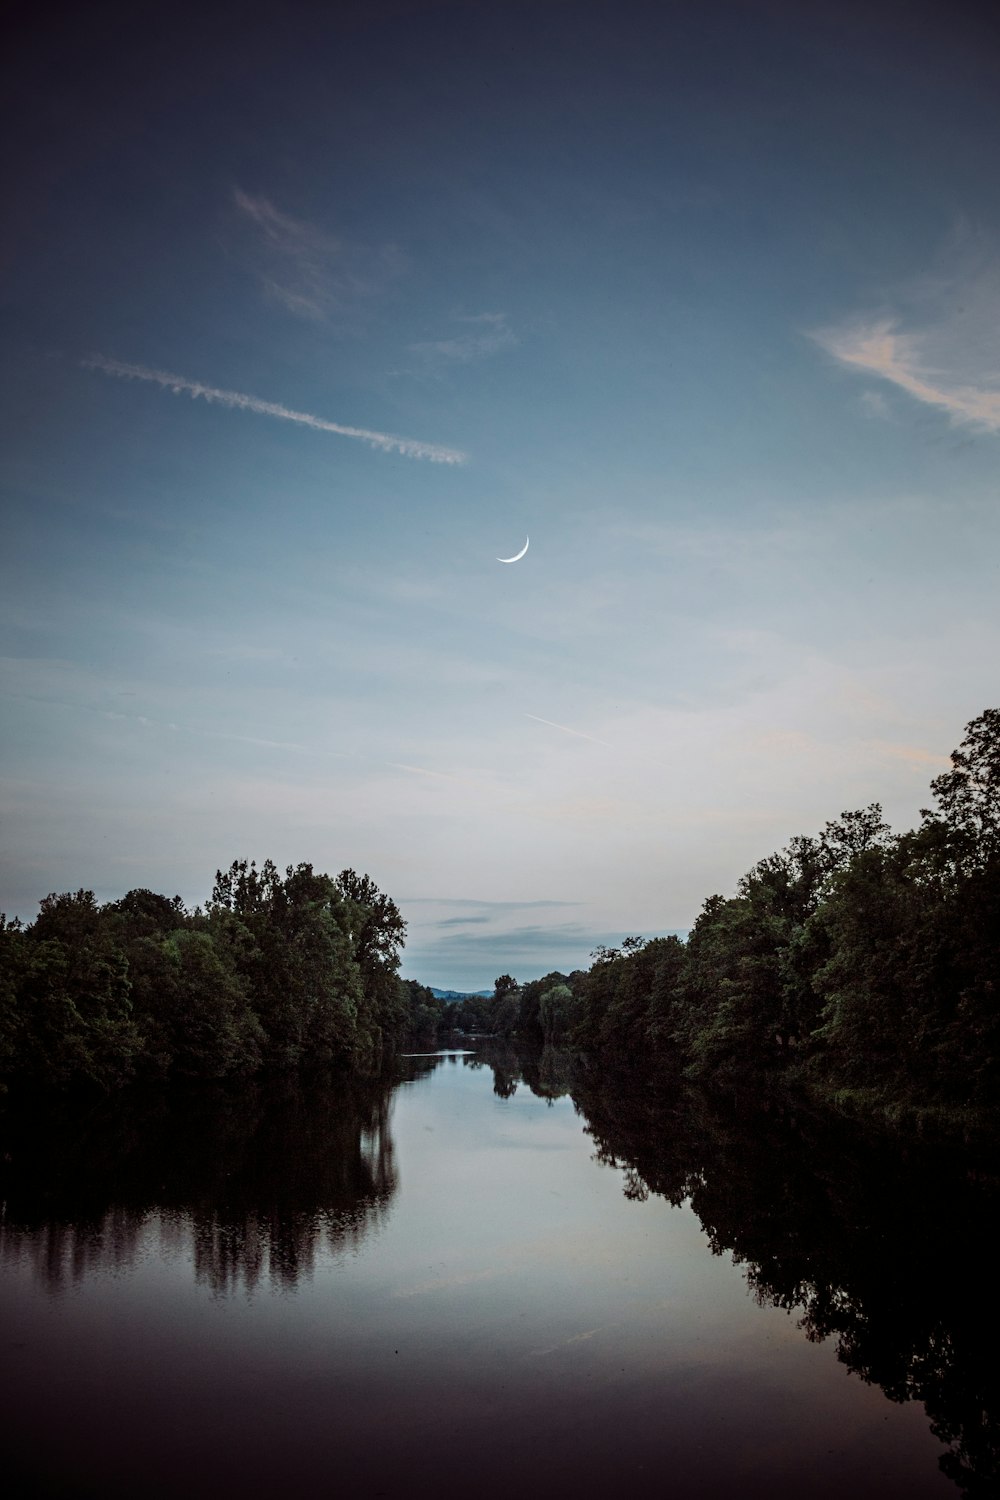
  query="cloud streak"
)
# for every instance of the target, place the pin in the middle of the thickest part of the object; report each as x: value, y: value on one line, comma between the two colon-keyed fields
x: 877, y: 347
x: 398, y: 765
x: 578, y: 733
x: 386, y: 442
x: 485, y: 334
x: 311, y: 273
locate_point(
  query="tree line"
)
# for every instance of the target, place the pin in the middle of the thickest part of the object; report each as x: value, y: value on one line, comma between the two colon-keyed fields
x: 273, y: 972
x: 859, y: 964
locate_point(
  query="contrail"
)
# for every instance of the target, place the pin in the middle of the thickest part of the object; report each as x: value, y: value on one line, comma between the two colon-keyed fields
x: 398, y: 765
x: 578, y: 732
x: 386, y: 441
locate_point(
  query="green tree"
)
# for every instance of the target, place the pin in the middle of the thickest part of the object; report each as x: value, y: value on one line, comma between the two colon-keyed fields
x: 504, y: 1015
x: 529, y: 1019
x: 426, y: 1014
x: 910, y: 1007
x: 75, y: 996
x: 292, y: 944
x: 968, y: 795
x: 193, y: 1015
x: 144, y: 913
x: 559, y: 1012
x: 378, y: 932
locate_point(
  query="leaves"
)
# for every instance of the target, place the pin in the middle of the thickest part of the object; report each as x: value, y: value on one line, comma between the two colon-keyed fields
x: 278, y: 971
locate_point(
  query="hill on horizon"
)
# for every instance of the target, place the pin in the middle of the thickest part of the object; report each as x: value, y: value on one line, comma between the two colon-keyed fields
x: 459, y: 994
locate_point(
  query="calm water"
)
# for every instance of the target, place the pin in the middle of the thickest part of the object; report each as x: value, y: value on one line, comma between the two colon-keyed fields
x: 452, y: 1284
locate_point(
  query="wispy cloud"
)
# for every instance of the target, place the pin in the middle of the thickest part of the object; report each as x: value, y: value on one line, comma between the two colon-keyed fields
x: 397, y: 765
x: 310, y: 272
x: 468, y: 960
x: 220, y: 734
x: 943, y: 352
x: 577, y: 733
x: 516, y: 941
x: 877, y: 347
x: 387, y: 442
x: 481, y: 336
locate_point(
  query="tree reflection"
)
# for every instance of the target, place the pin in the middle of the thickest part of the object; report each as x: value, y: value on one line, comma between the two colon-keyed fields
x: 254, y: 1182
x: 547, y: 1071
x: 885, y: 1248
x: 888, y: 1249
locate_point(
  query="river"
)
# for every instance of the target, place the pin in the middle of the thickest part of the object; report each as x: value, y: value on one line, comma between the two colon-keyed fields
x: 459, y: 1281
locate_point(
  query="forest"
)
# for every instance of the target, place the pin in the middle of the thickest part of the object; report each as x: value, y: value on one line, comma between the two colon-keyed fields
x: 274, y: 972
x: 857, y: 964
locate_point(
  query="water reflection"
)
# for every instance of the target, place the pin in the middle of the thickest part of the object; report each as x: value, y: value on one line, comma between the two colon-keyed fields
x: 886, y: 1251
x: 885, y: 1247
x: 253, y: 1183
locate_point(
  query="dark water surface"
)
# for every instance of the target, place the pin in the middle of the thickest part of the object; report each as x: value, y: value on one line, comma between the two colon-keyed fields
x: 462, y: 1283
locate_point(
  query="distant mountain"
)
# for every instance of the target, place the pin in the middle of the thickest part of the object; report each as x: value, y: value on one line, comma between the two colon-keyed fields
x: 459, y: 994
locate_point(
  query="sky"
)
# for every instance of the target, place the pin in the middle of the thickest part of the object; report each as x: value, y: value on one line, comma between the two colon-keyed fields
x: 311, y: 314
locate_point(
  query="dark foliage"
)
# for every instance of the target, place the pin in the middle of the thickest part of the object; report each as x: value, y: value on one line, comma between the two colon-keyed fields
x: 858, y: 965
x: 276, y: 972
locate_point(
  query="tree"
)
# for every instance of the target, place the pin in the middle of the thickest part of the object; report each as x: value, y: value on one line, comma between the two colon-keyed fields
x: 529, y: 1018
x: 76, y: 1010
x: 378, y: 932
x: 381, y: 933
x: 292, y: 943
x: 277, y: 970
x: 15, y: 960
x: 558, y: 1012
x: 850, y: 835
x: 730, y: 1017
x: 245, y: 890
x: 426, y: 1014
x: 144, y: 913
x: 968, y: 795
x: 194, y: 1017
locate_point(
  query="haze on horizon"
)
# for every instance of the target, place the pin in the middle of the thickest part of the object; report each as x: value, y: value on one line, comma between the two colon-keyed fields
x: 311, y: 316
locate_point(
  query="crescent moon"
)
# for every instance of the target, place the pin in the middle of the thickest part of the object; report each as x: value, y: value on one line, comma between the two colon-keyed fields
x: 517, y: 555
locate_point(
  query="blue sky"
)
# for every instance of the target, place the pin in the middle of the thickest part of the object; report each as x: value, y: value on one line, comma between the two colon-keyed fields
x: 703, y: 300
